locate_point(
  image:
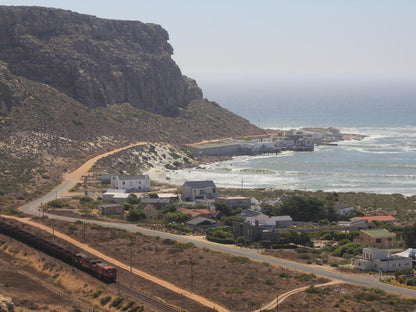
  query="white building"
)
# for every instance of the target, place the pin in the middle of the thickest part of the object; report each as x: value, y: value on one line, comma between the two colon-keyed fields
x: 343, y: 209
x: 139, y: 183
x: 380, y: 260
x: 254, y: 216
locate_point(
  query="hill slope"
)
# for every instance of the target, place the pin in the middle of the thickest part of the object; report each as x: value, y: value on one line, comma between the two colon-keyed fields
x: 51, y: 118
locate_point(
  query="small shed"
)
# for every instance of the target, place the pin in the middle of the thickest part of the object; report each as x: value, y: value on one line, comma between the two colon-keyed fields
x: 110, y: 209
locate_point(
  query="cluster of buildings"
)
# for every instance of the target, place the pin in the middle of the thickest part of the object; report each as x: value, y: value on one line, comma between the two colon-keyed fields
x: 255, y: 226
x: 280, y: 140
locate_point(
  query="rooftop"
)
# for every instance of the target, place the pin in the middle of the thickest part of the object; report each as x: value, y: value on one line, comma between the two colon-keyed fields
x: 375, y: 233
x: 376, y: 218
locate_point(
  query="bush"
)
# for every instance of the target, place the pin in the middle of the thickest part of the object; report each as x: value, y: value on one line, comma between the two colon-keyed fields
x: 56, y: 203
x: 135, y: 215
x: 117, y: 302
x: 239, y: 260
x: 97, y: 294
x: 105, y: 300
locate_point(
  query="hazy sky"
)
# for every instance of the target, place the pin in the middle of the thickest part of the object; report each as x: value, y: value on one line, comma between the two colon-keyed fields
x: 294, y: 39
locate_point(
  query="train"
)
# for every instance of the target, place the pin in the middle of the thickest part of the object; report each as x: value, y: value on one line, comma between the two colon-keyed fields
x: 95, y: 267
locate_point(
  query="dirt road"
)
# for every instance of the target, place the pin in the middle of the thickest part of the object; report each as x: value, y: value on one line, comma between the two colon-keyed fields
x: 124, y: 266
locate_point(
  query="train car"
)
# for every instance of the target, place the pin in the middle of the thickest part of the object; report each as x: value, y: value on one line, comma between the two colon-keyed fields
x: 95, y: 267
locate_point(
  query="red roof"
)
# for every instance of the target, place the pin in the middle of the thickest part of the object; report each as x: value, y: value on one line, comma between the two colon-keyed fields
x: 376, y: 218
x: 195, y: 212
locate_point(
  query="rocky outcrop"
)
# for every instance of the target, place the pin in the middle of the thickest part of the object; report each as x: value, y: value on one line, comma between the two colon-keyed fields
x: 6, y: 304
x: 96, y: 61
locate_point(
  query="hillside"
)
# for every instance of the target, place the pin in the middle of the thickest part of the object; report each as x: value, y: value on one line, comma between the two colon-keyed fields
x: 57, y: 105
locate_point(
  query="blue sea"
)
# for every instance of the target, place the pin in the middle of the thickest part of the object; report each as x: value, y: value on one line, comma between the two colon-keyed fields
x: 383, y: 162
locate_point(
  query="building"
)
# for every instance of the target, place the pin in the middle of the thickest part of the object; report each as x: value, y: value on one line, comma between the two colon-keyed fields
x: 380, y: 260
x: 377, y: 238
x: 192, y: 190
x: 139, y: 183
x: 205, y: 213
x: 255, y: 232
x: 253, y: 216
x: 110, y: 209
x: 200, y: 223
x: 376, y: 218
x: 116, y: 196
x: 343, y: 209
x: 235, y: 201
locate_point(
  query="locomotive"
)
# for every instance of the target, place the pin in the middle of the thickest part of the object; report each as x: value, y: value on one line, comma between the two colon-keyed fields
x: 95, y: 267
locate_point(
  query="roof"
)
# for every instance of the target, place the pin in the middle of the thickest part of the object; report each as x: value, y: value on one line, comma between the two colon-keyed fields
x: 376, y: 218
x: 199, y: 220
x: 233, y: 198
x: 149, y: 200
x: 340, y: 206
x: 375, y: 233
x: 195, y: 212
x: 410, y: 252
x: 110, y: 205
x: 249, y: 213
x: 199, y: 184
x: 136, y: 177
x: 281, y: 218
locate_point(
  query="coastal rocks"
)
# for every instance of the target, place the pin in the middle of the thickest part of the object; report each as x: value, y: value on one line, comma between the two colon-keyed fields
x: 96, y: 61
x: 6, y: 304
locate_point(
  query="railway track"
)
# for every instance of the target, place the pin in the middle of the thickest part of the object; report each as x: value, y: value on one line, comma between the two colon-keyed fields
x: 149, y: 301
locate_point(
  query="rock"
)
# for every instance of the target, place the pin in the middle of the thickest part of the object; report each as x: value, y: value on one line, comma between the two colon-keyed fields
x: 6, y: 304
x: 95, y: 61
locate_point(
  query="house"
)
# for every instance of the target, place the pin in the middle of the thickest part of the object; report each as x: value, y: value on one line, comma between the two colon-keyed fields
x: 116, y: 196
x: 234, y: 201
x: 376, y: 218
x: 343, y: 209
x: 253, y: 216
x: 196, y: 212
x: 377, y: 238
x: 151, y: 211
x: 158, y: 203
x: 139, y: 183
x: 200, y: 223
x: 255, y: 232
x: 357, y: 225
x: 192, y: 190
x: 110, y: 209
x: 374, y: 259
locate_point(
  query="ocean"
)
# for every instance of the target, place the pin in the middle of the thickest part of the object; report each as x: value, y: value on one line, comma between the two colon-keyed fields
x: 383, y: 162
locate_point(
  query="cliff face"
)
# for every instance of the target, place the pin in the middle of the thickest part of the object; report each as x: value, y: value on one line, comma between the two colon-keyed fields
x: 95, y: 61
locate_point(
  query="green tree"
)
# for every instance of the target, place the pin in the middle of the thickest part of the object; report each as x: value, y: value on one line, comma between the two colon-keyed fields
x: 225, y: 209
x: 409, y: 236
x: 176, y: 217
x: 303, y: 208
x: 135, y: 215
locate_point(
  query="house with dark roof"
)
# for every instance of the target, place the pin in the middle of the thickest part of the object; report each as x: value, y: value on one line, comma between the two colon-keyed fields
x: 234, y: 201
x: 377, y: 238
x: 192, y: 190
x: 200, y: 223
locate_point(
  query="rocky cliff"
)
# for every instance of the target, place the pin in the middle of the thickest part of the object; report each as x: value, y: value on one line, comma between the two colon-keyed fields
x: 95, y: 61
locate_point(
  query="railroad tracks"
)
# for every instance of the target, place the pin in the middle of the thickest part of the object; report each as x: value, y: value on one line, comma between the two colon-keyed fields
x: 152, y: 302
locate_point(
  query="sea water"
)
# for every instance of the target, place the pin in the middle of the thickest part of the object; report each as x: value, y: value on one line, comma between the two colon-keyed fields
x: 383, y: 162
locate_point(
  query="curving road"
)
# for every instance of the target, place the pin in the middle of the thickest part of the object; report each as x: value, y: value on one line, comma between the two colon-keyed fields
x: 71, y: 179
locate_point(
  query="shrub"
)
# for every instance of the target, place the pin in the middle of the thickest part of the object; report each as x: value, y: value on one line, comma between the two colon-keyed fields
x: 305, y: 277
x: 56, y: 203
x: 117, y: 302
x: 105, y: 300
x: 97, y: 293
x: 240, y: 260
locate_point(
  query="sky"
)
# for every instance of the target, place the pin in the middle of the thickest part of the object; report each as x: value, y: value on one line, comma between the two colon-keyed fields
x: 231, y: 40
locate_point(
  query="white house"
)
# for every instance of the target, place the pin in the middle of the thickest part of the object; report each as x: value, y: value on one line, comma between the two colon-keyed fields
x: 342, y: 209
x: 139, y: 183
x: 374, y: 259
x: 253, y: 216
x: 192, y: 190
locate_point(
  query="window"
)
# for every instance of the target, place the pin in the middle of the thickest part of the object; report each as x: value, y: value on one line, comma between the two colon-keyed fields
x: 124, y: 183
x: 389, y: 239
x: 378, y: 240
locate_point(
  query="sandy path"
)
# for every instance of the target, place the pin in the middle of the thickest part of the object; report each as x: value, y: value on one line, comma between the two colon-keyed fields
x: 83, y: 170
x: 124, y: 266
x: 284, y: 296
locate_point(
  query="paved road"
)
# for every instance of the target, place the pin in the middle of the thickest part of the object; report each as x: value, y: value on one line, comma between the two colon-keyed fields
x: 73, y: 178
